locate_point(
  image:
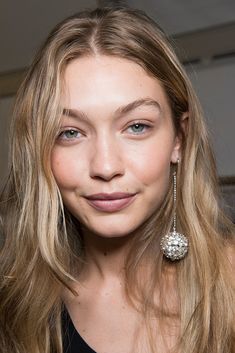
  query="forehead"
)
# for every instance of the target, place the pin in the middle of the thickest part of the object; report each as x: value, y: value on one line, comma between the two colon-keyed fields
x: 97, y: 80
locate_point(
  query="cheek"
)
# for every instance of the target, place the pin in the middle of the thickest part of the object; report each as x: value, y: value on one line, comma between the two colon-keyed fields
x: 151, y: 164
x: 66, y: 169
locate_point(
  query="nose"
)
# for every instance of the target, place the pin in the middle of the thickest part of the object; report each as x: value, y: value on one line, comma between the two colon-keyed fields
x: 106, y: 161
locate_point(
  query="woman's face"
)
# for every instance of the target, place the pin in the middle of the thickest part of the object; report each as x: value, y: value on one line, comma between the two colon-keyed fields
x: 112, y: 157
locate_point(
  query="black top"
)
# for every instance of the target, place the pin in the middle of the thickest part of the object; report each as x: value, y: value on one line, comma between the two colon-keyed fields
x: 72, y: 341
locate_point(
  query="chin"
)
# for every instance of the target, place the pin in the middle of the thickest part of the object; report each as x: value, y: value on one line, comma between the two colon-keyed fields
x: 111, y: 231
x: 111, y: 234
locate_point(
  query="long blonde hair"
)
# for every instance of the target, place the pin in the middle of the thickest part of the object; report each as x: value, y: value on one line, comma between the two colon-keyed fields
x: 42, y: 240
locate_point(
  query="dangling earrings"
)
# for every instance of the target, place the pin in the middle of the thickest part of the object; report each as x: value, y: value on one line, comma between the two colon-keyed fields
x: 174, y: 245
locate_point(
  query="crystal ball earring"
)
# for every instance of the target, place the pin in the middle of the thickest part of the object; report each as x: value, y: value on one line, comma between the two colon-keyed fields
x: 174, y: 245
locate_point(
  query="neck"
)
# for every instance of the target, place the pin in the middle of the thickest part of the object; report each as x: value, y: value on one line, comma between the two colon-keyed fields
x: 105, y: 257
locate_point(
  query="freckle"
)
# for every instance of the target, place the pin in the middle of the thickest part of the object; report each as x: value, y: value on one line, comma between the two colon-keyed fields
x: 105, y: 253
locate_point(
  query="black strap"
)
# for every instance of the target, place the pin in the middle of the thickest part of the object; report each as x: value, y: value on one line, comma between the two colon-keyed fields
x: 72, y: 341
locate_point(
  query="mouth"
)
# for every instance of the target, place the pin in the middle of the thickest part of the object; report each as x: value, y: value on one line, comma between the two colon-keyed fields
x: 110, y: 202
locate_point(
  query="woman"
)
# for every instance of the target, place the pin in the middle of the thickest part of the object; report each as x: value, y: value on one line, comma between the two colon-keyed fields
x: 113, y: 237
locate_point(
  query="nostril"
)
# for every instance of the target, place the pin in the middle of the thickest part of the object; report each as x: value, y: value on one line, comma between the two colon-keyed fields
x: 105, y: 175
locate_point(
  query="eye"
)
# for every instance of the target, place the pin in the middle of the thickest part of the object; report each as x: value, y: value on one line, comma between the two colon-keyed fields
x: 138, y: 128
x: 69, y: 134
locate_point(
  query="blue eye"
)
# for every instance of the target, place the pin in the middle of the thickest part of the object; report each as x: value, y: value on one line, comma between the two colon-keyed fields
x: 69, y: 134
x: 138, y: 128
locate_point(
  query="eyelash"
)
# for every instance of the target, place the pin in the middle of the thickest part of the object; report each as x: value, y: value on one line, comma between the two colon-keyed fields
x: 144, y: 126
x: 139, y: 124
x: 62, y: 134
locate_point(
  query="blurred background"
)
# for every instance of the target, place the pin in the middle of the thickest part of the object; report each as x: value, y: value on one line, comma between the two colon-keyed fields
x: 203, y: 33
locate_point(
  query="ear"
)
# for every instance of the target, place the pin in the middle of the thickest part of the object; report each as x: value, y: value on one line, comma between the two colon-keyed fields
x: 177, y: 149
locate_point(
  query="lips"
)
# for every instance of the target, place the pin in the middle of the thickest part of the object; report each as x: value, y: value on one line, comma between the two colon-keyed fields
x: 110, y: 202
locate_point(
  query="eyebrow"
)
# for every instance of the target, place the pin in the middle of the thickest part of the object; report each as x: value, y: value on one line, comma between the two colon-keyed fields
x: 74, y: 113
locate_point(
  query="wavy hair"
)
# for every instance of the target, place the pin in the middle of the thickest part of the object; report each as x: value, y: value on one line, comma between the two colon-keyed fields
x: 42, y: 241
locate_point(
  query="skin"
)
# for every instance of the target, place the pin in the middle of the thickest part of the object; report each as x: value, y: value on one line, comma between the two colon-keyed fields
x: 106, y: 152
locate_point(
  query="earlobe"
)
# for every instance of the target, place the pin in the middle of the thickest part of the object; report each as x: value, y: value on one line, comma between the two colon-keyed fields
x: 176, y: 153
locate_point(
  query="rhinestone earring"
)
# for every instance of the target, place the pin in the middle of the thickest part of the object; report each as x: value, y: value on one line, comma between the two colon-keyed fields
x: 174, y: 245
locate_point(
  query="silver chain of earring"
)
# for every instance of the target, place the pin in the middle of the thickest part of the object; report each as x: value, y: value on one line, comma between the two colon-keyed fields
x: 174, y: 245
